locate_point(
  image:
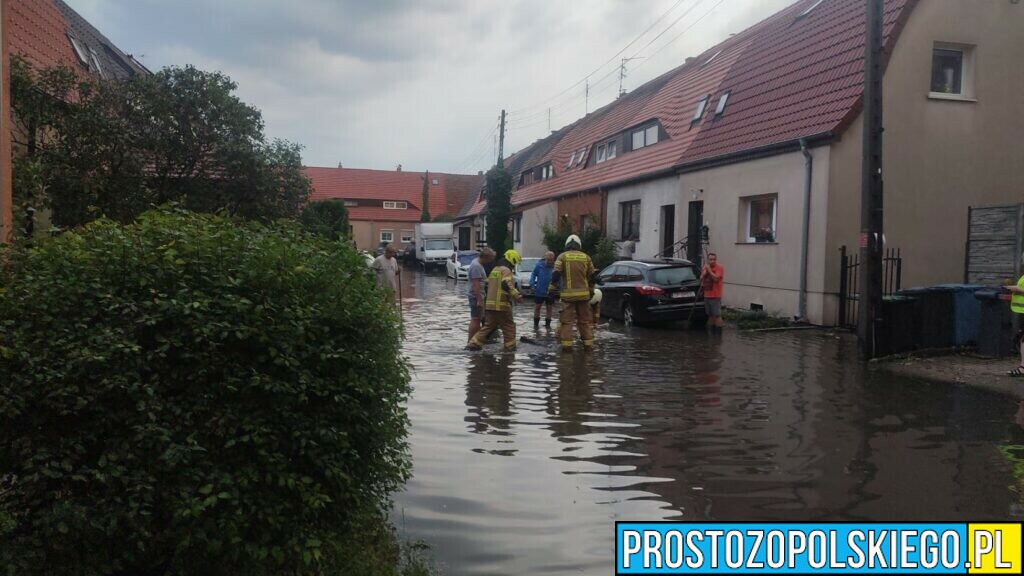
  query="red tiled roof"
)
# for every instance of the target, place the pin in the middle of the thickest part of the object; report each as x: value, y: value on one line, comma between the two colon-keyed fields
x: 447, y: 196
x: 788, y: 77
x: 39, y: 33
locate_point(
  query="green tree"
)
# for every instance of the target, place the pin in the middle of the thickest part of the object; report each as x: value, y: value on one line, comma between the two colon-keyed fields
x: 115, y: 149
x: 499, y: 207
x: 184, y: 395
x: 425, y: 212
x: 327, y: 218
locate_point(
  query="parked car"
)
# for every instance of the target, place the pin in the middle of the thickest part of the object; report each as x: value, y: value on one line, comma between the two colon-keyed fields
x: 652, y: 291
x: 458, y: 265
x: 523, y: 273
x: 368, y: 257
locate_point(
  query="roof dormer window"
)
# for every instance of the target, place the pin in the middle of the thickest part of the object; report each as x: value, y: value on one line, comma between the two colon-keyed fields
x: 582, y: 156
x: 645, y: 136
x: 572, y: 160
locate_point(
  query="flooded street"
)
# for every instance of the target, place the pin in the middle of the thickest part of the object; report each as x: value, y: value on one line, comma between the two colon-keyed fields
x: 523, y: 462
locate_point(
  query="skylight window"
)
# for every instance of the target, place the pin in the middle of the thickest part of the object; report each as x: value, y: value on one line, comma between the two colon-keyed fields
x: 79, y: 50
x: 572, y: 160
x: 96, y: 63
x: 721, y: 104
x: 702, y: 106
x: 582, y: 156
x: 710, y: 60
x: 809, y: 10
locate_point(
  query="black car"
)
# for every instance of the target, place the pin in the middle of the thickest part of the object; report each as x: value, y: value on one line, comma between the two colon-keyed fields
x: 652, y: 291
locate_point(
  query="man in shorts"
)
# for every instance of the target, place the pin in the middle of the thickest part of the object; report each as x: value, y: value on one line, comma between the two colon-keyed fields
x: 478, y: 272
x: 711, y: 279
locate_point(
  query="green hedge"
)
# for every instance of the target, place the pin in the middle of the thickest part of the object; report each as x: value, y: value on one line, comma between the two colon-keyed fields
x: 184, y: 395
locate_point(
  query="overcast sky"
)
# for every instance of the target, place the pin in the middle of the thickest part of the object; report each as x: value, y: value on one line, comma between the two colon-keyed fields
x: 376, y: 83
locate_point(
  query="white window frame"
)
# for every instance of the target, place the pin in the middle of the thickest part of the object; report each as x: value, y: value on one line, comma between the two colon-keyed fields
x: 702, y: 107
x: 712, y: 59
x: 96, y: 63
x: 651, y: 135
x: 748, y: 204
x: 722, y: 103
x: 390, y: 236
x: 582, y: 157
x: 434, y: 182
x: 612, y: 150
x: 394, y: 205
x: 572, y: 160
x: 600, y: 153
x: 408, y: 236
x: 642, y: 133
x: 966, y: 93
x: 83, y: 57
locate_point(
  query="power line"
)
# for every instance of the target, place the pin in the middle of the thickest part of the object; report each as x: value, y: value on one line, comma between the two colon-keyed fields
x: 636, y: 55
x: 598, y: 69
x: 680, y: 35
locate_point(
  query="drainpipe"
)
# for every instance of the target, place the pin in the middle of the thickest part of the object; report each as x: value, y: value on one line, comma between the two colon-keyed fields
x: 809, y: 163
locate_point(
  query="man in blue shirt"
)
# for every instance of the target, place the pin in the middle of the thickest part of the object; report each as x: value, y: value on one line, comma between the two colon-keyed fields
x: 478, y: 271
x: 539, y: 281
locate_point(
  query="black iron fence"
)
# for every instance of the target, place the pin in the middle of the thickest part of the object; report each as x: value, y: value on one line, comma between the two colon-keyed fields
x: 849, y: 282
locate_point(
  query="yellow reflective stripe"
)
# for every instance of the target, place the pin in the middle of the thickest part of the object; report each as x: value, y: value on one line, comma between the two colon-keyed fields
x: 1017, y: 301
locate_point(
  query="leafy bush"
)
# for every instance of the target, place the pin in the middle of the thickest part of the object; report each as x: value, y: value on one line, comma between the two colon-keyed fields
x: 327, y: 218
x: 186, y: 396
x: 600, y: 248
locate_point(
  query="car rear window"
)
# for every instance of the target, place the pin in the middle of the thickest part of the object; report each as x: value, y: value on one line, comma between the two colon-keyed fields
x: 673, y: 276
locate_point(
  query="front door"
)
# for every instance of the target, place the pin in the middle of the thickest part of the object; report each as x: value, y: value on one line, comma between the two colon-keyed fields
x: 464, y: 238
x: 668, y: 230
x: 695, y: 223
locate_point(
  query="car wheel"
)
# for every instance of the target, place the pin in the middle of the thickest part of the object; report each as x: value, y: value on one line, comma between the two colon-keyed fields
x: 628, y: 316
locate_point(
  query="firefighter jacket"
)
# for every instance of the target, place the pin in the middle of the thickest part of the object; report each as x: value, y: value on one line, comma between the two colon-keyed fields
x: 576, y: 270
x: 501, y: 290
x: 1017, y: 300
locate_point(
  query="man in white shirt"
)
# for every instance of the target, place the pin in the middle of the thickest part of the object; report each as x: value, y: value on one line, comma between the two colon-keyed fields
x: 388, y: 271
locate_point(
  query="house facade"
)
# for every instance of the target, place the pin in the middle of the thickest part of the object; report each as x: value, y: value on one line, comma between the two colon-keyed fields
x: 48, y: 33
x: 384, y: 206
x: 759, y: 140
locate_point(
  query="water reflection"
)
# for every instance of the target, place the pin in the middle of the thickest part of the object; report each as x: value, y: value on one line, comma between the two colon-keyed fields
x: 523, y: 462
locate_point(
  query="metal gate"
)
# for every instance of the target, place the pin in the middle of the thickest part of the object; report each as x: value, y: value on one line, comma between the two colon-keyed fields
x: 849, y: 283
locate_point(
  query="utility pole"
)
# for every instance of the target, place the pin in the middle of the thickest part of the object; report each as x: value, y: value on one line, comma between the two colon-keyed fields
x: 501, y: 141
x: 6, y: 200
x: 872, y: 221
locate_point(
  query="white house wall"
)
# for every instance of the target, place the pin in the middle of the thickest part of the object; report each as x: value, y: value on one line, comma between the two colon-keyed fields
x: 652, y: 196
x: 531, y: 243
x: 768, y: 275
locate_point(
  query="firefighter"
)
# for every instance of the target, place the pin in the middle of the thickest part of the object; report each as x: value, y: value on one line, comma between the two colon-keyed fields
x: 575, y: 271
x: 501, y: 292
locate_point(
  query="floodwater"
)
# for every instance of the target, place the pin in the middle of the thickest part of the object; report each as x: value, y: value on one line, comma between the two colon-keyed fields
x: 522, y: 463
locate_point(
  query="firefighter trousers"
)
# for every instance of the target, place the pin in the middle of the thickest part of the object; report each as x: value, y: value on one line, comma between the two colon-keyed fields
x: 579, y: 314
x: 496, y: 320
